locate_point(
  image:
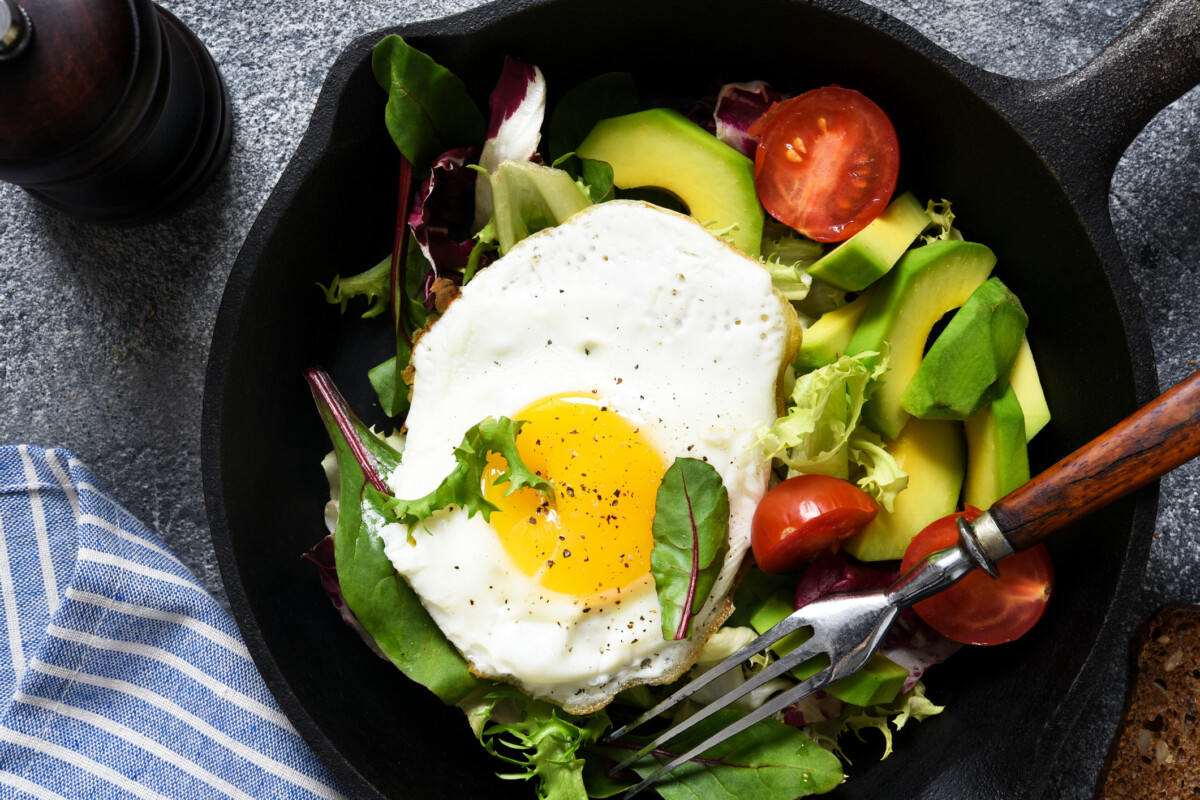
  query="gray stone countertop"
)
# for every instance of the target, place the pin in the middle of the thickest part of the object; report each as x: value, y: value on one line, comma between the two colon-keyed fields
x: 104, y: 333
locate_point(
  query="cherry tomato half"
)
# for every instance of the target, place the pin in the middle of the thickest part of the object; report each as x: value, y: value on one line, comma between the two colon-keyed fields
x: 804, y: 517
x: 826, y: 162
x: 979, y: 609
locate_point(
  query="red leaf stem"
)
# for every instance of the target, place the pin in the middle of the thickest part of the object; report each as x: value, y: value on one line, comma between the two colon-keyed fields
x: 685, y: 618
x: 400, y: 248
x: 327, y: 394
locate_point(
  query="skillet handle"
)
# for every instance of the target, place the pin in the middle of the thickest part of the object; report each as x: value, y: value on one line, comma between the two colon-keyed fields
x: 1159, y: 437
x: 1085, y: 120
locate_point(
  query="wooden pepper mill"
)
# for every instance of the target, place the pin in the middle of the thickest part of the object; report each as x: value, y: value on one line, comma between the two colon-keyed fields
x: 111, y: 111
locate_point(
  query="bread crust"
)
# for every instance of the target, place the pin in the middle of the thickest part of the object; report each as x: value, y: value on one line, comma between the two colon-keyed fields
x: 1156, y: 752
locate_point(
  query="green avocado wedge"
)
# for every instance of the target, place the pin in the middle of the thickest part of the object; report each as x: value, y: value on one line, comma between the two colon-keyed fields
x: 997, y: 458
x: 826, y: 339
x: 879, y: 681
x: 931, y: 452
x: 867, y: 255
x: 660, y: 148
x: 927, y: 283
x: 969, y: 363
x: 1025, y: 382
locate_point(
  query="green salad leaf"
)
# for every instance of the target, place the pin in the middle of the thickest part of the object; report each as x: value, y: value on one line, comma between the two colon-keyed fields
x: 881, y: 477
x: 373, y: 284
x: 826, y: 407
x: 429, y: 110
x: 380, y: 599
x: 463, y: 486
x: 768, y: 759
x: 612, y: 94
x: 528, y: 197
x: 541, y: 739
x: 691, y: 538
x: 912, y: 705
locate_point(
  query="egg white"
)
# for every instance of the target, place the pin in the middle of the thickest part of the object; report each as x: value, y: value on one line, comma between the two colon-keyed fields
x: 664, y: 322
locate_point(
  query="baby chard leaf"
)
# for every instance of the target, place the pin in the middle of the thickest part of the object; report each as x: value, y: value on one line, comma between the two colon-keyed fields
x: 768, y: 759
x: 383, y: 603
x: 463, y: 486
x: 691, y: 538
x: 429, y: 110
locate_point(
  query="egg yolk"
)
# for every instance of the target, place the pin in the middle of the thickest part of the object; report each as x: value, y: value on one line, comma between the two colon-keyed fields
x: 595, y: 534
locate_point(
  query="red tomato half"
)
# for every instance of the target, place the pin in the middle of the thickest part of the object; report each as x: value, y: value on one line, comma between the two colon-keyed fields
x: 826, y: 162
x: 979, y: 609
x: 804, y: 517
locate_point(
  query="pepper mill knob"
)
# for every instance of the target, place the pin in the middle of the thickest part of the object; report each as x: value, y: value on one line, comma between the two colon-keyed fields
x: 14, y: 29
x: 111, y: 111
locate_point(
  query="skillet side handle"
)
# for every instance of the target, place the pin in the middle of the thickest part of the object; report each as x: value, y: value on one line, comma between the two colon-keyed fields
x: 1089, y: 117
x: 1159, y: 437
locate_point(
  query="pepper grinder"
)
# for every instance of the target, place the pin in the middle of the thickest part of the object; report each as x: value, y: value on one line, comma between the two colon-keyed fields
x: 111, y: 111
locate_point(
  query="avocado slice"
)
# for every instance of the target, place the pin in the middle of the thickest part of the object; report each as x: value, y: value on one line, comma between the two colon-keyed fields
x: 931, y: 452
x: 1024, y: 381
x: 661, y: 148
x: 826, y: 339
x: 879, y: 681
x: 997, y: 459
x: 867, y: 255
x: 926, y: 283
x: 969, y: 363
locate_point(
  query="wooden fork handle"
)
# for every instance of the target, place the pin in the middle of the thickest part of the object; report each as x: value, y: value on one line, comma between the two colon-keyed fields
x: 1159, y: 437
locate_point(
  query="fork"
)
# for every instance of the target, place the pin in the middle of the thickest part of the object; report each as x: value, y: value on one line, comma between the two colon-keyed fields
x: 848, y: 628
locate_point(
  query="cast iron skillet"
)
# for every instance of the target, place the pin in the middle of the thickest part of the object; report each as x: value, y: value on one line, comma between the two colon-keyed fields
x: 1027, y: 165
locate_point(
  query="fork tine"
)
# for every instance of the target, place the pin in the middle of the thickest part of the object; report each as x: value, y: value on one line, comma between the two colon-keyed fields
x: 787, y: 626
x: 777, y: 703
x: 803, y: 653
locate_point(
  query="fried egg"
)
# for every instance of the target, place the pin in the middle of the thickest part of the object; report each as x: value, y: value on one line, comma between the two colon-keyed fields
x: 626, y: 337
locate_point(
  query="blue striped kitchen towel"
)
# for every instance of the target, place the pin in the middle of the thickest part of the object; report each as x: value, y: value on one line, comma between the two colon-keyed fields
x: 125, y: 678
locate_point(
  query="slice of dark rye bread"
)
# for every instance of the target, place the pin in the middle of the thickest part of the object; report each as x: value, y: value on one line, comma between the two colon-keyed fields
x: 1156, y: 752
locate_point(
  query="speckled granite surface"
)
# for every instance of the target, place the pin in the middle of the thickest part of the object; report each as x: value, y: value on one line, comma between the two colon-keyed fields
x: 104, y: 333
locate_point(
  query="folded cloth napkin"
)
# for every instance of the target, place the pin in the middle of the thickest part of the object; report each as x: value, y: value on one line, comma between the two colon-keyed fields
x: 126, y: 679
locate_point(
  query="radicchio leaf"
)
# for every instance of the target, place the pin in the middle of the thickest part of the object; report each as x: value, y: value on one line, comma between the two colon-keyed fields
x: 441, y: 214
x: 322, y: 555
x: 739, y: 105
x: 518, y: 106
x: 691, y: 538
x: 910, y: 642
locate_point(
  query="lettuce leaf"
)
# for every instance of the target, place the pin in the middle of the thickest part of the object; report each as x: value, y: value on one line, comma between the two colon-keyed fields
x: 374, y: 284
x: 912, y: 705
x: 814, y: 434
x: 529, y: 197
x: 881, y: 476
x: 942, y: 226
x: 542, y: 740
x: 462, y: 487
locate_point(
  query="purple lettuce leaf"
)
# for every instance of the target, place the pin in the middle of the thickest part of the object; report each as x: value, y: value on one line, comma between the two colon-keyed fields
x: 322, y: 555
x: 443, y: 209
x: 910, y: 642
x: 738, y: 106
x: 518, y: 106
